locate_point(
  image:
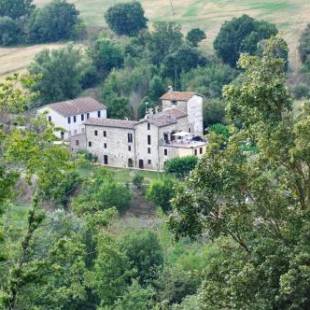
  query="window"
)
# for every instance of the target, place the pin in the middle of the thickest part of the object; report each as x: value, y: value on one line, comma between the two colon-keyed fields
x: 49, y: 118
x: 148, y: 126
x: 149, y: 140
x: 129, y: 148
x: 96, y: 132
x: 130, y: 138
x: 82, y: 117
x: 69, y: 120
x: 165, y: 152
x: 99, y: 114
x: 149, y: 162
x: 189, y: 130
x: 130, y: 163
x: 196, y: 152
x: 105, y: 145
x: 74, y: 119
x: 149, y: 150
x: 77, y: 142
x: 200, y: 150
x: 105, y: 159
x: 87, y: 115
x: 89, y: 143
x: 104, y: 133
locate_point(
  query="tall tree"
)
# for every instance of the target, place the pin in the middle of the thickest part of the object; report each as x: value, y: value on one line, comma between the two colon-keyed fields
x: 257, y: 199
x: 241, y: 35
x: 16, y: 8
x: 304, y: 45
x: 59, y: 74
x: 126, y: 18
x: 56, y: 21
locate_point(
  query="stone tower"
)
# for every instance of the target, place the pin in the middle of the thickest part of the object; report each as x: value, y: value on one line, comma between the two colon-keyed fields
x: 190, y: 103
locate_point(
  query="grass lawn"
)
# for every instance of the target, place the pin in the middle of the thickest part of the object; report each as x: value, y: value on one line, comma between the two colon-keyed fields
x: 125, y: 175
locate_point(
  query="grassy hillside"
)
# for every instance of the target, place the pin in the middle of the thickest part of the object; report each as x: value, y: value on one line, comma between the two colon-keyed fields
x: 291, y: 16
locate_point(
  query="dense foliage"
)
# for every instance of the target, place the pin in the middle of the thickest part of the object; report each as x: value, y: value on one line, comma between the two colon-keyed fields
x: 181, y: 167
x: 241, y: 35
x: 126, y: 18
x: 59, y: 74
x: 254, y: 206
x: 22, y: 22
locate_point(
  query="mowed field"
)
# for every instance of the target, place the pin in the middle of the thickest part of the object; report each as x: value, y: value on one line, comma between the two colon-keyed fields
x: 291, y: 17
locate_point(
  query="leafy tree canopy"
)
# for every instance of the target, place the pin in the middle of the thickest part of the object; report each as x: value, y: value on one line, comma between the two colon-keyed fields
x: 195, y: 36
x: 126, y: 18
x: 241, y: 35
x: 59, y: 74
x: 16, y: 8
x: 56, y: 21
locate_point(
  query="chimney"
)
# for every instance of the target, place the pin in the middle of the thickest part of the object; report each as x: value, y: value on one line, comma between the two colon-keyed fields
x: 170, y: 89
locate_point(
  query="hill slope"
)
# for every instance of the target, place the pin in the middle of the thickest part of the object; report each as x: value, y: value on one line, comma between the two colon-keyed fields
x: 291, y: 17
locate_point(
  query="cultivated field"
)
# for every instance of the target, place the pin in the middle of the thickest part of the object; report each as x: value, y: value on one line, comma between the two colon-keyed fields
x: 291, y: 16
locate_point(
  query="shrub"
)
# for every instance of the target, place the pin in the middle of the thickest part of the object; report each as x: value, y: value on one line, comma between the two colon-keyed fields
x: 181, y: 167
x: 160, y: 192
x: 138, y: 180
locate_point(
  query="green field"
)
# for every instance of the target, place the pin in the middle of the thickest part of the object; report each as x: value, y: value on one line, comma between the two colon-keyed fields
x: 291, y: 17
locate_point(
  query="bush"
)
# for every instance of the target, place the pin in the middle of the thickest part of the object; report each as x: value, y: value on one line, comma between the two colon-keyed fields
x: 182, y: 166
x: 101, y: 192
x: 220, y: 129
x: 138, y: 180
x: 126, y: 18
x: 144, y: 254
x: 56, y: 21
x: 160, y: 192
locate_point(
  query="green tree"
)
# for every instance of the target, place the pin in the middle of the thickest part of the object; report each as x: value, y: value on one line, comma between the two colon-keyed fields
x: 59, y: 72
x: 304, y: 45
x: 101, y: 192
x: 213, y: 112
x: 241, y: 35
x: 10, y: 32
x: 209, y: 80
x: 161, y: 192
x: 183, y: 60
x: 137, y: 298
x: 181, y: 167
x: 56, y: 21
x: 251, y: 203
x: 144, y: 253
x: 195, y: 36
x: 126, y: 18
x: 164, y: 40
x: 106, y: 55
x: 16, y: 8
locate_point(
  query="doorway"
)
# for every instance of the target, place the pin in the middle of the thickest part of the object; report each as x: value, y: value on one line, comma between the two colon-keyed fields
x: 105, y: 159
x: 141, y: 164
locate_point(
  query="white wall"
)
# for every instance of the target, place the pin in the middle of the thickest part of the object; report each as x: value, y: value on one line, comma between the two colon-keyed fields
x: 73, y: 128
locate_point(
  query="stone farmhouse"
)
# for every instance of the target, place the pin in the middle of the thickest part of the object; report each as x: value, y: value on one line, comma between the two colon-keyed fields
x: 70, y: 115
x: 176, y: 130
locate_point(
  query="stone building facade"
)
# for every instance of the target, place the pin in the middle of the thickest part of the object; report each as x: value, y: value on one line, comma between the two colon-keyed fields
x: 176, y: 131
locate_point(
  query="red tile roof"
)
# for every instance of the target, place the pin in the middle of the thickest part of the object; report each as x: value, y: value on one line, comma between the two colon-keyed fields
x: 109, y: 122
x: 177, y: 96
x: 76, y: 106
